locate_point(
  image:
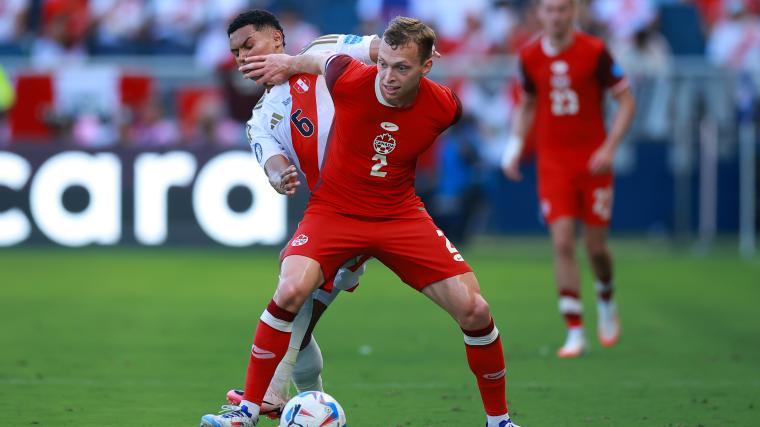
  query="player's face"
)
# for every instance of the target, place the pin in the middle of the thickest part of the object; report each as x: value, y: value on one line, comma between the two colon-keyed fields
x: 247, y: 41
x: 557, y: 16
x: 400, y: 71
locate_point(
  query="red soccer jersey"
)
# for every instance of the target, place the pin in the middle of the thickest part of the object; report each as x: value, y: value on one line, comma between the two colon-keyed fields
x: 569, y: 87
x: 372, y: 151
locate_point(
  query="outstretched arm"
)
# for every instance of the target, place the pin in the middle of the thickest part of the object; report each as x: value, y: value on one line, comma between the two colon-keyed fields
x: 278, y: 68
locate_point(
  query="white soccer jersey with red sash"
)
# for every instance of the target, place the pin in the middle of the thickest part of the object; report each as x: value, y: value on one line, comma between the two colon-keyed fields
x: 294, y: 119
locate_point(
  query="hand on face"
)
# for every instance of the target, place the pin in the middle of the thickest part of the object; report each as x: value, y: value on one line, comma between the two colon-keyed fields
x: 267, y: 69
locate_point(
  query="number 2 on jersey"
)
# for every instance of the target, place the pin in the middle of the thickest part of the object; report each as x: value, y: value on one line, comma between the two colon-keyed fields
x: 381, y: 161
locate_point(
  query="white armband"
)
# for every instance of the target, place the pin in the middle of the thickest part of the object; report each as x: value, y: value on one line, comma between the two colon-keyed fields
x: 512, y: 150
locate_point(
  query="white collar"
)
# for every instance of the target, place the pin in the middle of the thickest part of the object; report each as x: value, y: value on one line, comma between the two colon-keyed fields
x: 379, y: 94
x: 550, y: 50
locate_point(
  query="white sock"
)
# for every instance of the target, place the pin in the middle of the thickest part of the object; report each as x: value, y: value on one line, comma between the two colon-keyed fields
x: 308, y: 369
x: 280, y: 383
x: 301, y: 324
x: 493, y: 421
x: 251, y: 408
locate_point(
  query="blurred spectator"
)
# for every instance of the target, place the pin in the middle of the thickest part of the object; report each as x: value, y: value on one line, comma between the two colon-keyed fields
x: 298, y: 33
x: 375, y: 14
x: 646, y: 52
x: 13, y: 14
x: 64, y: 27
x: 213, y: 126
x: 177, y: 24
x: 119, y: 26
x: 93, y: 130
x: 213, y: 48
x: 458, y: 191
x: 623, y: 18
x: 735, y: 39
x: 152, y: 127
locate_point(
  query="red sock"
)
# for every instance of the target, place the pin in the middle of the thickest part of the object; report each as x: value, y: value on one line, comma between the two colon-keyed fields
x: 269, y: 346
x: 570, y: 307
x: 486, y: 359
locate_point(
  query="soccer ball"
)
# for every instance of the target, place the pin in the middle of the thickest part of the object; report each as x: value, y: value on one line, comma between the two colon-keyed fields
x: 313, y: 409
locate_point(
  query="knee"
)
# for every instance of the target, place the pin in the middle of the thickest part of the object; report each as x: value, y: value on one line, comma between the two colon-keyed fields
x: 475, y: 314
x: 596, y: 250
x: 291, y: 294
x: 564, y: 246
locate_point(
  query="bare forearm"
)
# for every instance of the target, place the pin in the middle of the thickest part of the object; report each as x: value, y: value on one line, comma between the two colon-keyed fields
x: 623, y: 118
x: 275, y: 166
x: 374, y: 47
x: 524, y: 116
x: 310, y: 63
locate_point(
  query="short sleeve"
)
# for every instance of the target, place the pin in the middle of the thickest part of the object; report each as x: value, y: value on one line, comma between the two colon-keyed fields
x: 526, y: 82
x: 263, y: 144
x: 357, y: 47
x: 609, y: 73
x: 339, y: 66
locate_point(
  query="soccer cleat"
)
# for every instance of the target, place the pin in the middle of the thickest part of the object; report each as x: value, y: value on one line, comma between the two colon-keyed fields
x: 575, y: 344
x: 230, y: 416
x: 608, y: 324
x: 503, y: 423
x: 271, y: 407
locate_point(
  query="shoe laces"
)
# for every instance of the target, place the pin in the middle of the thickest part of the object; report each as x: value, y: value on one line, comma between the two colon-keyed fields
x: 231, y: 411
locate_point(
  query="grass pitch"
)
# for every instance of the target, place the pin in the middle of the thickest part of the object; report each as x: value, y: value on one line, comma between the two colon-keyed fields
x: 116, y: 337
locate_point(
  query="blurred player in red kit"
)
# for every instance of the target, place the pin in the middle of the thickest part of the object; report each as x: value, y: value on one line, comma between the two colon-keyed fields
x: 565, y: 75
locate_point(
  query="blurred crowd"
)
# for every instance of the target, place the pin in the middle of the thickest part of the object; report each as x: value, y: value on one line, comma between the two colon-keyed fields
x: 644, y: 36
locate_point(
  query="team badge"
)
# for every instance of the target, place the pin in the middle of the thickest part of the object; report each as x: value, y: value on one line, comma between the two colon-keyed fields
x: 384, y: 144
x: 302, y: 85
x: 559, y: 67
x: 259, y: 152
x: 300, y: 240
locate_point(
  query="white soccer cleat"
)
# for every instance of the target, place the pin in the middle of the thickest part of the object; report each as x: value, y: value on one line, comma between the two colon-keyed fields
x: 230, y: 416
x: 503, y: 423
x: 575, y: 344
x: 608, y: 324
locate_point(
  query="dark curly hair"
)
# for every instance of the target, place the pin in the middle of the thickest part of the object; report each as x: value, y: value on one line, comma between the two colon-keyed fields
x: 259, y: 19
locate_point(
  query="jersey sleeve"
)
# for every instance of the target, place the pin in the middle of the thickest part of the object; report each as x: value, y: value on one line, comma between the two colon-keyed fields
x: 526, y: 81
x: 358, y: 47
x: 609, y: 73
x: 341, y: 74
x: 263, y: 144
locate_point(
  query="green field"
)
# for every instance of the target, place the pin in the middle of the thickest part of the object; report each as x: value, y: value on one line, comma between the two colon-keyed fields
x: 117, y: 337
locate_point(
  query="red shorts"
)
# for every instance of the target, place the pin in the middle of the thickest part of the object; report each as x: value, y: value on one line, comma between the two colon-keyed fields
x: 415, y: 249
x: 578, y: 195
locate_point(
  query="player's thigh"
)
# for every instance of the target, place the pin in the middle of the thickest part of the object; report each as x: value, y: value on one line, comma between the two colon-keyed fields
x: 598, y: 195
x: 418, y: 252
x: 330, y: 240
x: 558, y: 195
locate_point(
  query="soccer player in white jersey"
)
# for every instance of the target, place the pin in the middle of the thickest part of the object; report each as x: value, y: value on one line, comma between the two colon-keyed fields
x: 287, y: 132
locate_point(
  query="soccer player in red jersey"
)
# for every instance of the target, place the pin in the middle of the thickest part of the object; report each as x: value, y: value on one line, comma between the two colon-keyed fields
x: 565, y: 75
x: 385, y: 117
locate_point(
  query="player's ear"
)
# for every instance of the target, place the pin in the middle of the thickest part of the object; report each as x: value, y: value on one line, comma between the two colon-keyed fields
x: 278, y: 38
x: 427, y: 65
